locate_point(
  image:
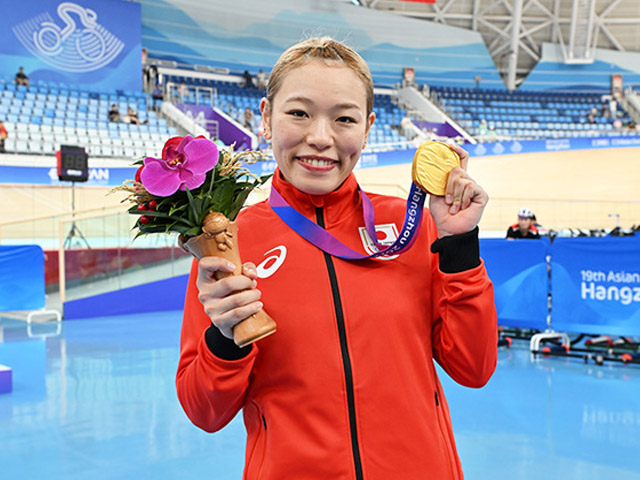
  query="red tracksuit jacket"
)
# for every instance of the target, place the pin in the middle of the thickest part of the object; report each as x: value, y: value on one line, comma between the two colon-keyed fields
x: 346, y: 388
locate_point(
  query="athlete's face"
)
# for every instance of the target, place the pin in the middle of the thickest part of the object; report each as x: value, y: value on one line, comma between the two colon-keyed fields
x: 318, y: 125
x: 524, y: 223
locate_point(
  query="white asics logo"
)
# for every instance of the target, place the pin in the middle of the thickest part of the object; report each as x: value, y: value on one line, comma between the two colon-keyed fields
x: 272, y: 263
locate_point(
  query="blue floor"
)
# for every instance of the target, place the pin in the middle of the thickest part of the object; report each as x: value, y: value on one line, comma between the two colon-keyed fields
x: 98, y: 401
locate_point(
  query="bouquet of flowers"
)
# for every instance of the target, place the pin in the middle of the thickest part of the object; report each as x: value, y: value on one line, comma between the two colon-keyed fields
x: 197, y: 190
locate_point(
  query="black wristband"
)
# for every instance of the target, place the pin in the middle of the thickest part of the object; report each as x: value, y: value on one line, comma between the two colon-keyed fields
x: 458, y: 253
x: 223, y: 347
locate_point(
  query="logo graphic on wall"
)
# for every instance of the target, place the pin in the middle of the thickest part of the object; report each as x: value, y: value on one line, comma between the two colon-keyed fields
x: 74, y: 42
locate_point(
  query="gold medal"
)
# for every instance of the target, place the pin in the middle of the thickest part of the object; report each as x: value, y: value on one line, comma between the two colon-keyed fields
x: 431, y: 166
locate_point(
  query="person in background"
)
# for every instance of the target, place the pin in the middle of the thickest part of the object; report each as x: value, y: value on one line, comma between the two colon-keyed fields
x: 248, y: 80
x: 247, y: 119
x: 347, y: 387
x: 114, y: 114
x: 157, y: 96
x: 525, y: 227
x: 21, y: 78
x: 3, y: 136
x: 131, y: 117
x: 262, y: 80
x: 483, y: 128
x: 407, y: 127
x: 183, y: 91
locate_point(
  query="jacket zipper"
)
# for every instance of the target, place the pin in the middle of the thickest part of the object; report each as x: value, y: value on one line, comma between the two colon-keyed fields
x: 346, y: 359
x: 445, y: 438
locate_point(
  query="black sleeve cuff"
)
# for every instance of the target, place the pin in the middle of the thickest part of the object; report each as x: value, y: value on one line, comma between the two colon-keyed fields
x: 458, y: 252
x: 223, y: 347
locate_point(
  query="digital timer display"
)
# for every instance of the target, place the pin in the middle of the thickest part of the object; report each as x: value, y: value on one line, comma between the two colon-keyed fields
x: 72, y: 164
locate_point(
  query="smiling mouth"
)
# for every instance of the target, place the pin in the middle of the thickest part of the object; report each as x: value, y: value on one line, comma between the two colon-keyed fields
x: 320, y: 163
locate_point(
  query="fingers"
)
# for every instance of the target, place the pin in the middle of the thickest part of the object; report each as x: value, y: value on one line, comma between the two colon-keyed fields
x: 462, y: 153
x: 226, y: 312
x: 208, y: 266
x: 462, y: 190
x: 231, y: 299
x: 249, y: 270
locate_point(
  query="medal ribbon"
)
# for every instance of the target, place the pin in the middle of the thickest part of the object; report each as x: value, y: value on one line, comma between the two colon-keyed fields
x: 326, y: 242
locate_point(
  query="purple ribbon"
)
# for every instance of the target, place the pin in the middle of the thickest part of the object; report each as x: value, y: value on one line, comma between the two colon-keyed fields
x: 322, y: 239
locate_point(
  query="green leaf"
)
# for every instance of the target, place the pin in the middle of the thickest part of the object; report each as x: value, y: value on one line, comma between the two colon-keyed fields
x: 192, y: 232
x: 175, y: 209
x: 193, y: 213
x: 157, y: 214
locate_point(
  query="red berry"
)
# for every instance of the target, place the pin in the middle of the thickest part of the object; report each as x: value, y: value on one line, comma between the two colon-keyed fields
x: 144, y: 220
x: 152, y: 205
x: 142, y: 207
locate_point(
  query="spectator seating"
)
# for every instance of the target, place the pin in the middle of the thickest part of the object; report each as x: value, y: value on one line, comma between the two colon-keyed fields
x: 526, y: 114
x: 45, y: 115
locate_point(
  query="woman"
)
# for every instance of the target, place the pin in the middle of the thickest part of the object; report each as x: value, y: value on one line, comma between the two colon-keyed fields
x: 346, y: 388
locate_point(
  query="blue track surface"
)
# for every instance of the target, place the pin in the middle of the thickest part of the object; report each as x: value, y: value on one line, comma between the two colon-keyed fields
x: 98, y: 401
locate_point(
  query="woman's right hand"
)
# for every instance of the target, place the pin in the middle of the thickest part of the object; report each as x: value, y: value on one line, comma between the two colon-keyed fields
x: 229, y: 300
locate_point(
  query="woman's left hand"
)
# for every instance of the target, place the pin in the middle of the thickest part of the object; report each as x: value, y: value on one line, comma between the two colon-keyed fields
x: 460, y: 210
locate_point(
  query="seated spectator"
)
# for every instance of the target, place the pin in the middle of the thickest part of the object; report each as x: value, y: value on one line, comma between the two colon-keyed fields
x: 262, y: 80
x: 3, y: 136
x: 483, y: 128
x: 131, y: 116
x: 114, y: 114
x: 158, y: 96
x: 183, y: 91
x: 21, y: 78
x: 247, y: 119
x: 407, y: 127
x: 248, y: 80
x: 525, y: 227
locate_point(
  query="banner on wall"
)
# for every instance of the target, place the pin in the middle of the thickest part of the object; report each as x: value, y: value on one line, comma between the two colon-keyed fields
x: 518, y: 270
x: 21, y: 278
x: 82, y: 42
x: 98, y: 176
x: 550, y: 145
x: 596, y: 285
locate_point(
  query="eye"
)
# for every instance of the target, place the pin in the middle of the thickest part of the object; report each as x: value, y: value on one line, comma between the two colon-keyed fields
x: 297, y: 113
x: 347, y: 120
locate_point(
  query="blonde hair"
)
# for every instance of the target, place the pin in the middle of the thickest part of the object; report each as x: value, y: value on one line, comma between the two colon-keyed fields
x: 319, y: 48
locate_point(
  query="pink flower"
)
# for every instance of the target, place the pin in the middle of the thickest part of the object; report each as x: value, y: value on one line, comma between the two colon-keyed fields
x: 185, y: 163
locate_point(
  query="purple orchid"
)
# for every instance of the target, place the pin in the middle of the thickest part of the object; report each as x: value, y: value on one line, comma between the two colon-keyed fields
x: 185, y: 164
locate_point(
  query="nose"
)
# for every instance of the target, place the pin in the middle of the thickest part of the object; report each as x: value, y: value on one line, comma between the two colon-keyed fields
x: 320, y: 134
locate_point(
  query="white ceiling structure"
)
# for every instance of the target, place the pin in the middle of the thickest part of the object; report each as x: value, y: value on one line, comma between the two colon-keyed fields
x: 514, y: 30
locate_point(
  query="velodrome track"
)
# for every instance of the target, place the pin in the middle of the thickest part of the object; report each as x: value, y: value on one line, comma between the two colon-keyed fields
x: 569, y: 189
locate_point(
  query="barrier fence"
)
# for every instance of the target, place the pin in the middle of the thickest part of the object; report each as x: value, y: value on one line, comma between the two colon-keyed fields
x: 583, y: 285
x: 592, y: 284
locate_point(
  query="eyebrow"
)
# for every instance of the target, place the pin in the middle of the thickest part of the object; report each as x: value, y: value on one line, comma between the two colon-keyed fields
x: 303, y: 99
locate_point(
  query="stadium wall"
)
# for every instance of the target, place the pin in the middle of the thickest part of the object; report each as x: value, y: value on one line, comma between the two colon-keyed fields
x: 251, y: 34
x: 551, y: 73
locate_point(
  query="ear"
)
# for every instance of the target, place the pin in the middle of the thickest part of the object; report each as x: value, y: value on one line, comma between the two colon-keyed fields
x: 265, y: 110
x: 370, y: 120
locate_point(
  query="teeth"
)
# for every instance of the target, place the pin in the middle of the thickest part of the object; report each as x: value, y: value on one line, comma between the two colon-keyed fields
x: 316, y: 162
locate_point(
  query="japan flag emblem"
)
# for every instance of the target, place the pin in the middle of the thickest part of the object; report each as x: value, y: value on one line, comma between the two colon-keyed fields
x: 387, y: 234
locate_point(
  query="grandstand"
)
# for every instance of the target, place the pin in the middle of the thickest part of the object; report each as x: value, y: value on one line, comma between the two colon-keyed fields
x: 530, y: 114
x: 45, y: 115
